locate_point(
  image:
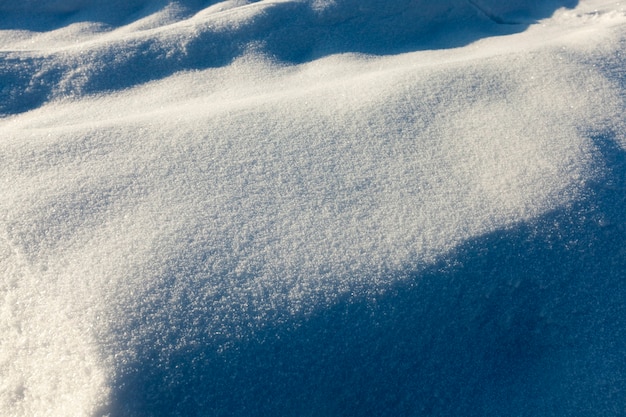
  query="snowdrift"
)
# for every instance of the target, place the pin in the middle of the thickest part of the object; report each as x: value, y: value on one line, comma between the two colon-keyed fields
x: 91, y: 46
x: 337, y: 208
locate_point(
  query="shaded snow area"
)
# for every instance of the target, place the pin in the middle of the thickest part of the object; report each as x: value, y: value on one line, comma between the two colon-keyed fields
x: 312, y: 208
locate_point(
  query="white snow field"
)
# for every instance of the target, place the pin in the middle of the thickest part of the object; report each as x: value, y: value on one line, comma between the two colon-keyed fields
x: 312, y: 208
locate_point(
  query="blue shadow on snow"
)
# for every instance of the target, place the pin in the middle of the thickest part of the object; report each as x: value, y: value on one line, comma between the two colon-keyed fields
x: 528, y: 321
x: 289, y: 32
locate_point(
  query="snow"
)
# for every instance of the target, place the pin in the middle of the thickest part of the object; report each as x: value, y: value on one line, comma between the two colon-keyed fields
x: 294, y: 207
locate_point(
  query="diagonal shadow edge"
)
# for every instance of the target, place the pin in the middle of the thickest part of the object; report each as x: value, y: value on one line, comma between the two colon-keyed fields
x: 524, y: 321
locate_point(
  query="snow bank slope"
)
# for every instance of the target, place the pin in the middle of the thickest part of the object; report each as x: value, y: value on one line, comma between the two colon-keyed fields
x: 194, y: 215
x: 90, y: 47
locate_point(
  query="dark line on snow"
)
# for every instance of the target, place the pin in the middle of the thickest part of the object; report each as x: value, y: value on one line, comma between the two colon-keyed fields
x: 495, y: 18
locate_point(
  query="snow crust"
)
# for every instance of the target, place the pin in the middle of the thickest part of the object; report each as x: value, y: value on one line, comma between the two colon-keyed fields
x: 204, y: 201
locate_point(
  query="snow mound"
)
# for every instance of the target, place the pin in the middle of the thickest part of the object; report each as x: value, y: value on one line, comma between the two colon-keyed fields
x: 103, y: 46
x: 265, y: 208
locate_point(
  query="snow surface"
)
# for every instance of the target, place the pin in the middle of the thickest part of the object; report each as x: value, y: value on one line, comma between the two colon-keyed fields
x: 312, y: 207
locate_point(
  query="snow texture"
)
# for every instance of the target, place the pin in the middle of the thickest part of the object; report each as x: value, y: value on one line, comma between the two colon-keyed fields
x: 312, y: 207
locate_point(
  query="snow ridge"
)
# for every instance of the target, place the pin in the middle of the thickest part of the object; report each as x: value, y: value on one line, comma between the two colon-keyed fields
x: 305, y: 207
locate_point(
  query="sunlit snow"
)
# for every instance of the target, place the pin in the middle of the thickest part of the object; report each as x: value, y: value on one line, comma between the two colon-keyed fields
x: 311, y: 207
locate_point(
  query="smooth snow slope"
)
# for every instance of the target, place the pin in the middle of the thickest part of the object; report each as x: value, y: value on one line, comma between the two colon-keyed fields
x: 335, y: 208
